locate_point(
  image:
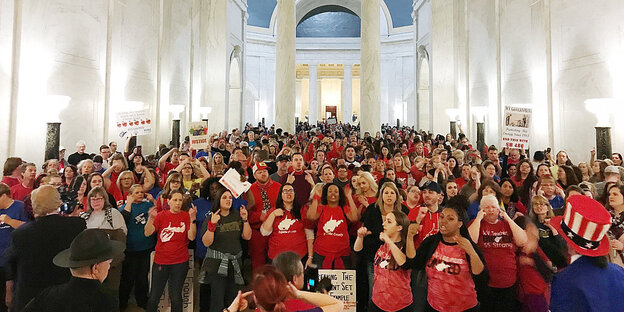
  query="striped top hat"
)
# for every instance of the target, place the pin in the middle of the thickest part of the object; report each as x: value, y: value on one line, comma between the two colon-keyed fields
x: 584, y: 226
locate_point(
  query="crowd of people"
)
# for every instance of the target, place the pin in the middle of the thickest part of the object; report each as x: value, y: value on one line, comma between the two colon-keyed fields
x: 428, y: 222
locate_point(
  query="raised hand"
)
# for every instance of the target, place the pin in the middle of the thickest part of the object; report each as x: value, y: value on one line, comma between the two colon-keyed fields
x: 290, y: 179
x: 216, y: 216
x: 413, y: 229
x: 243, y: 212
x: 463, y: 242
x: 278, y: 212
x: 152, y: 212
x: 384, y: 237
x: 363, y: 231
x: 193, y: 212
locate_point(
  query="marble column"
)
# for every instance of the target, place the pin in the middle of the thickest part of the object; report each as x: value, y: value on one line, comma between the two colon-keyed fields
x: 53, y: 139
x: 285, y: 70
x: 370, y: 74
x: 214, y: 39
x: 347, y: 96
x: 313, y: 103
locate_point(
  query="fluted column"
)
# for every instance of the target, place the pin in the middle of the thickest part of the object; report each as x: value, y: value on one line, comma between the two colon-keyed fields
x: 285, y: 70
x: 370, y: 77
x: 313, y: 103
x: 347, y: 108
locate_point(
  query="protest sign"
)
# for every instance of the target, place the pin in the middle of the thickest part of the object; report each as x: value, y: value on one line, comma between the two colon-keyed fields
x: 232, y: 181
x: 198, y: 134
x: 133, y: 123
x: 516, y: 127
x: 343, y: 286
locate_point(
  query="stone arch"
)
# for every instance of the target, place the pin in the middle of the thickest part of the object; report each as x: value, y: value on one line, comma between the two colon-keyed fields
x: 235, y: 94
x: 303, y: 7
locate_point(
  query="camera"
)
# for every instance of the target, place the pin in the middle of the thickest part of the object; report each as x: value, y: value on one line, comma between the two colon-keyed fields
x: 69, y: 197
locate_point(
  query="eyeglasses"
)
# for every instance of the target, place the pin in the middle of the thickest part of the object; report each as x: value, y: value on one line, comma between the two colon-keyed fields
x: 288, y: 191
x: 97, y: 198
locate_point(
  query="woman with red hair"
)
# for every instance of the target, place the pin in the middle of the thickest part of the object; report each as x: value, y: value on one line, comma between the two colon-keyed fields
x: 271, y: 291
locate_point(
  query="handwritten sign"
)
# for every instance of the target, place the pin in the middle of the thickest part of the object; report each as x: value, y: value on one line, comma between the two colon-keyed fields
x: 343, y: 286
x: 187, y: 290
x: 516, y: 127
x: 232, y: 181
x: 198, y: 134
x: 134, y: 123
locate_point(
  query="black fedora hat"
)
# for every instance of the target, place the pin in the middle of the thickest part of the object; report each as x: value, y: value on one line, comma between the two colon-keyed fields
x: 91, y: 246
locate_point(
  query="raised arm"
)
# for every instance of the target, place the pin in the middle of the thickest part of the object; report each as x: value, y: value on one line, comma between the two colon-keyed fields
x: 519, y: 235
x: 149, y: 226
x: 163, y: 159
x: 475, y: 228
x: 267, y: 225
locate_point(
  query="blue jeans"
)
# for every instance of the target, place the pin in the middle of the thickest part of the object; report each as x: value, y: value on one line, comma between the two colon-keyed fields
x: 175, y: 274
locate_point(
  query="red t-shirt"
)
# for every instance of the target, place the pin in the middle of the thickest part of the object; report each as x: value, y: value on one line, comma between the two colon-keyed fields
x: 460, y: 182
x: 163, y: 173
x: 402, y: 177
x: 18, y: 191
x: 391, y: 289
x: 332, y: 238
x: 530, y: 282
x: 496, y: 242
x: 288, y: 235
x: 162, y: 203
x: 430, y: 225
x: 378, y: 176
x: 450, y: 284
x: 416, y: 174
x: 10, y: 181
x: 172, y: 229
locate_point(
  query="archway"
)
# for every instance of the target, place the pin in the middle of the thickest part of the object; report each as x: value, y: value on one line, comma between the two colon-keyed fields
x: 235, y: 91
x: 424, y: 103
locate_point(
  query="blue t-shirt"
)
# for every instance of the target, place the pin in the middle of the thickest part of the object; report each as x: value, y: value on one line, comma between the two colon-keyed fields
x: 15, y: 211
x: 136, y: 240
x: 557, y: 204
x: 155, y: 191
x: 203, y: 210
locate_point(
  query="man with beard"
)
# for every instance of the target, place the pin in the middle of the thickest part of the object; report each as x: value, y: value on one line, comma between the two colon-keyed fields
x: 261, y: 197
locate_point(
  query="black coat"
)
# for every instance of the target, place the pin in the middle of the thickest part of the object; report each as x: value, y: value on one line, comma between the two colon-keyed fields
x: 373, y: 221
x: 33, y: 247
x: 77, y: 295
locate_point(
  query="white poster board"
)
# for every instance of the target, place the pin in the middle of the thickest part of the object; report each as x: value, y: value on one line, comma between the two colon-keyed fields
x: 187, y: 290
x: 343, y: 287
x: 516, y: 127
x: 133, y: 123
x: 232, y: 181
x: 198, y: 134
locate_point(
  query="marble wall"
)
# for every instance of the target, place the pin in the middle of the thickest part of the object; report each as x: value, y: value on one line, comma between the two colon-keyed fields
x: 107, y: 56
x: 552, y: 55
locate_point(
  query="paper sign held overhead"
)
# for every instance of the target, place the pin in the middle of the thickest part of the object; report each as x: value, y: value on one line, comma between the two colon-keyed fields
x: 198, y: 134
x: 133, y: 123
x: 232, y: 181
x: 516, y: 127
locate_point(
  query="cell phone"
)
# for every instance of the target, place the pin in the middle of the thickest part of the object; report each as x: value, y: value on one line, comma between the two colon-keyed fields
x: 311, y: 279
x: 139, y: 149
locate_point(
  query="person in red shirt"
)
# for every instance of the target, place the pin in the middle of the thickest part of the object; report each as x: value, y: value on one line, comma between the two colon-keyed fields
x: 19, y: 191
x: 452, y: 262
x: 285, y: 229
x: 465, y: 176
x: 401, y: 170
x: 380, y: 168
x: 12, y: 173
x: 333, y: 208
x: 534, y: 271
x: 174, y: 229
x: 498, y: 236
x: 413, y: 198
x: 167, y: 162
x: 391, y: 286
x: 261, y: 199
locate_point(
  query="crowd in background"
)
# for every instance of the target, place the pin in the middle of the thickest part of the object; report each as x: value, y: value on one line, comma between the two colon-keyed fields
x: 428, y: 222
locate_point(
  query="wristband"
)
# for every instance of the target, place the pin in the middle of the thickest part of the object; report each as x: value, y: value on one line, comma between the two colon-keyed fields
x: 211, y: 226
x: 316, y: 197
x: 244, y: 220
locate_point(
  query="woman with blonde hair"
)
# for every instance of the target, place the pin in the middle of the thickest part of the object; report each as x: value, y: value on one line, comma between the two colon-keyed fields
x: 551, y: 243
x: 217, y: 165
x: 388, y: 200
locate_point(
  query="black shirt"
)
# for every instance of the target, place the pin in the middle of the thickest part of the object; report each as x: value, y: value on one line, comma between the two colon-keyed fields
x: 79, y: 294
x: 373, y: 221
x: 76, y: 158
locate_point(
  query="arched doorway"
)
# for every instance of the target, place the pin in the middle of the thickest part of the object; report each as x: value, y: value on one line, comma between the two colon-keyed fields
x: 424, y: 103
x: 235, y: 92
